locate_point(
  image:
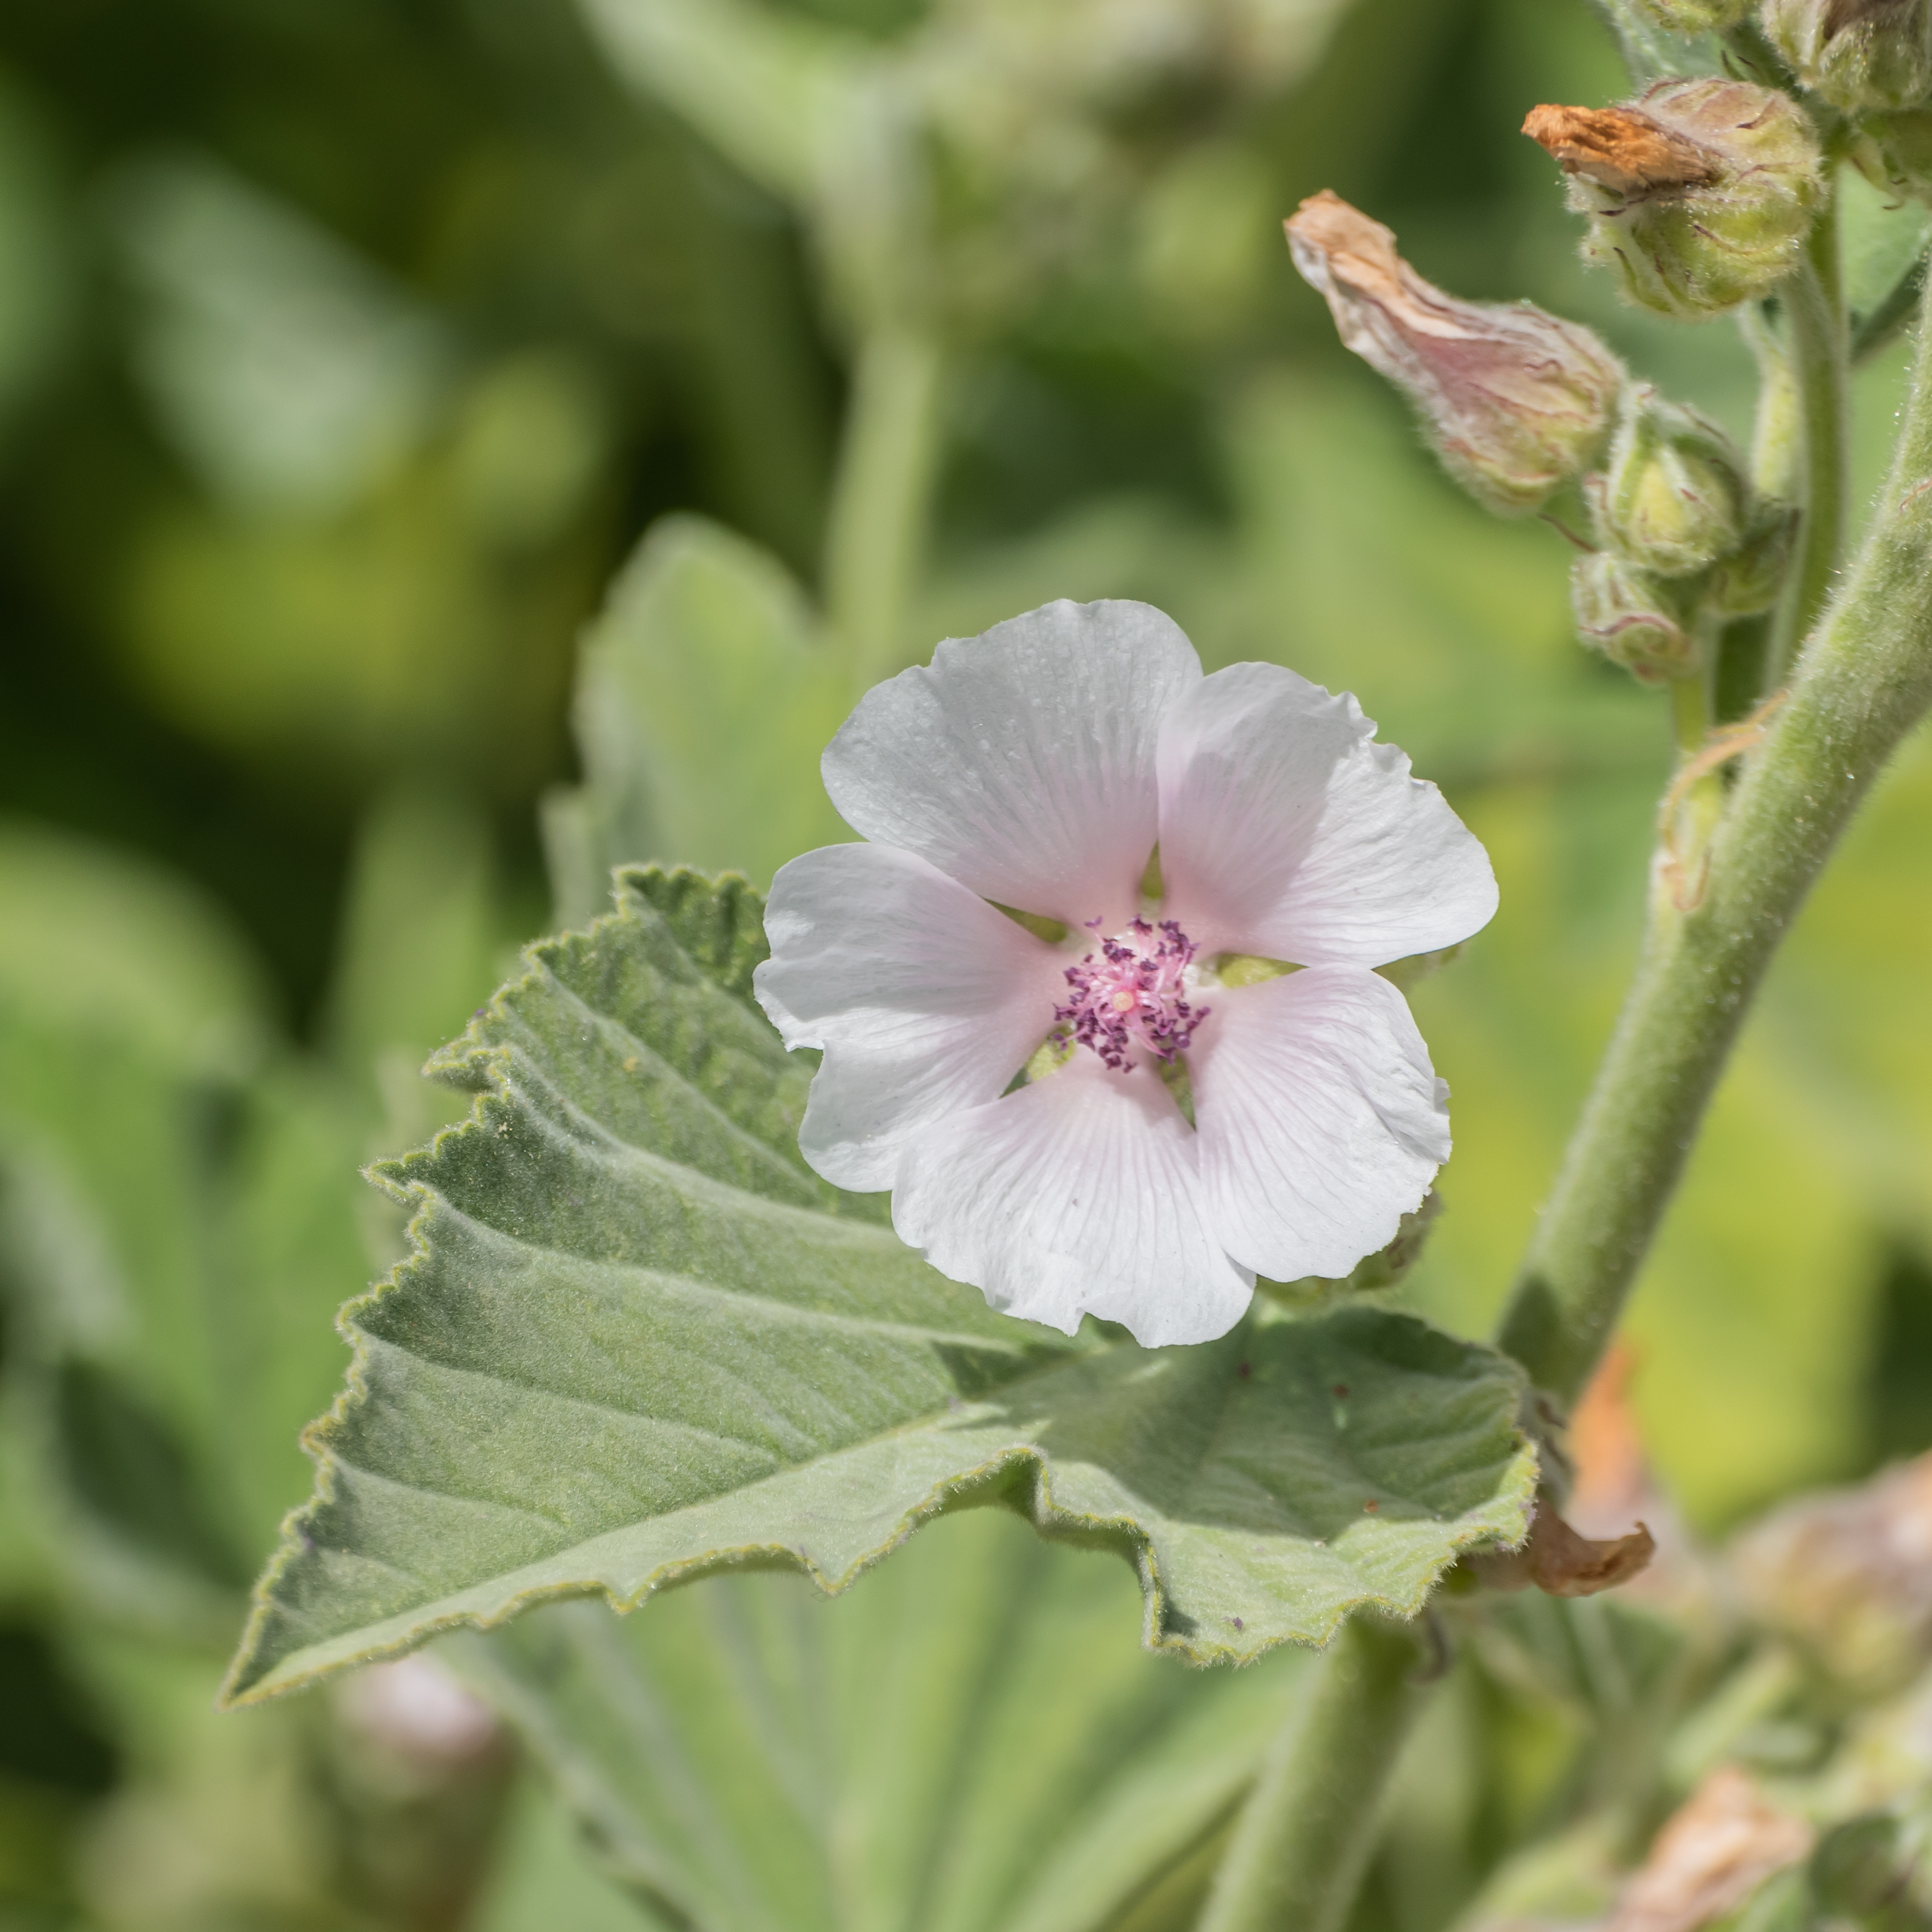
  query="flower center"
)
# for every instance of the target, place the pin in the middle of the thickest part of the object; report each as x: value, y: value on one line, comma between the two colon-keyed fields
x: 1133, y: 992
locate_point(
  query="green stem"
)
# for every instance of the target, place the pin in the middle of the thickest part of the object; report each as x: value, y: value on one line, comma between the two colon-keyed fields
x: 1820, y: 368
x: 1778, y: 429
x: 1303, y: 1837
x: 882, y: 496
x: 1865, y: 678
x: 1690, y: 712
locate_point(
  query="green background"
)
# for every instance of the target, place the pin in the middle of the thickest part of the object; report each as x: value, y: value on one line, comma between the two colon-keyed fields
x: 349, y: 349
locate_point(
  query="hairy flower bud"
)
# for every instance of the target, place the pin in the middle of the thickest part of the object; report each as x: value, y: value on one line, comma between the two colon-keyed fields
x: 1749, y: 579
x: 1634, y: 619
x: 1514, y: 400
x: 1699, y: 193
x: 1894, y: 152
x: 1674, y: 496
x: 1862, y: 56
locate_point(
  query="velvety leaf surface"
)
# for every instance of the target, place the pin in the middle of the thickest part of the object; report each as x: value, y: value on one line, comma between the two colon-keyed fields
x: 971, y: 1739
x: 638, y: 1339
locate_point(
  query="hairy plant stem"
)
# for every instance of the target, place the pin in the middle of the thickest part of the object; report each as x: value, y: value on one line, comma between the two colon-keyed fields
x: 882, y: 495
x: 1303, y: 1837
x: 1820, y: 373
x: 1865, y: 678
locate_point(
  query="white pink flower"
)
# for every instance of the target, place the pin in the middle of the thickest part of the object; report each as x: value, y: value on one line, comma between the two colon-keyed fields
x: 1035, y: 770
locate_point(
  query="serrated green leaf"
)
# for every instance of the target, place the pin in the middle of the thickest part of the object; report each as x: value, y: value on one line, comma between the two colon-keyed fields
x: 638, y: 1340
x: 971, y: 1740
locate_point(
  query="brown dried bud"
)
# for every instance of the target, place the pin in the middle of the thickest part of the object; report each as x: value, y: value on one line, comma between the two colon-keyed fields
x: 1700, y: 193
x: 1515, y: 401
x: 1849, y: 1574
x: 1711, y: 1855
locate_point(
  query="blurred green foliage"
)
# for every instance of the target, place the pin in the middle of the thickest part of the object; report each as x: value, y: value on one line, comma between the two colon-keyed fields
x: 348, y: 348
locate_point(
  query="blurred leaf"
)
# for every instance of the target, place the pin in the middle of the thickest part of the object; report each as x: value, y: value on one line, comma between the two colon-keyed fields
x: 767, y: 89
x: 973, y: 1739
x: 407, y: 631
x: 542, y: 1875
x: 704, y: 697
x: 1653, y: 51
x: 93, y: 942
x: 1881, y: 237
x: 287, y: 371
x: 1898, y: 1379
x: 622, y: 1250
x: 419, y: 934
x: 175, y: 1228
x: 37, y: 270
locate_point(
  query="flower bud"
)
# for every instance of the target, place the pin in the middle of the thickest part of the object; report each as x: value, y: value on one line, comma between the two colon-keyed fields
x: 1862, y: 56
x: 1894, y: 152
x: 1673, y: 497
x: 1636, y: 620
x: 1699, y: 193
x: 1749, y: 579
x: 1514, y: 401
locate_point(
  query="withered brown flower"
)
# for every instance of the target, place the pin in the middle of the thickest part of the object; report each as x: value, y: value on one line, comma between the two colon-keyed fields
x: 1515, y: 401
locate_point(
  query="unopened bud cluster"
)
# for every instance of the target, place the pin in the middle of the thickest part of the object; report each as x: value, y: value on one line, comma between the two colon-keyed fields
x: 1684, y: 540
x: 1699, y: 193
x: 1518, y: 403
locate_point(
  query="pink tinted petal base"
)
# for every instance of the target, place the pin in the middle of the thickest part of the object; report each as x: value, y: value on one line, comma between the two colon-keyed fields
x: 1078, y: 1194
x: 925, y: 1000
x: 1321, y: 1121
x: 1021, y: 763
x: 1286, y: 831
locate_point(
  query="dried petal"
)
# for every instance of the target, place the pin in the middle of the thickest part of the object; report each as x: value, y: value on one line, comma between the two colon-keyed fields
x: 1563, y: 1563
x: 1622, y: 148
x: 1515, y: 401
x: 1560, y: 1563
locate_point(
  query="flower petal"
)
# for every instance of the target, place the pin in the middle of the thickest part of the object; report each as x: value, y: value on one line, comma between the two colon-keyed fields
x: 1022, y: 762
x: 1286, y: 831
x: 923, y: 997
x: 1079, y: 1193
x: 1322, y: 1122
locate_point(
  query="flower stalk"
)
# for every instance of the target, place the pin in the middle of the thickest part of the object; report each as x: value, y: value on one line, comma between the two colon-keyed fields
x: 1863, y: 681
x: 1303, y: 1838
x: 882, y: 496
x: 1820, y: 368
